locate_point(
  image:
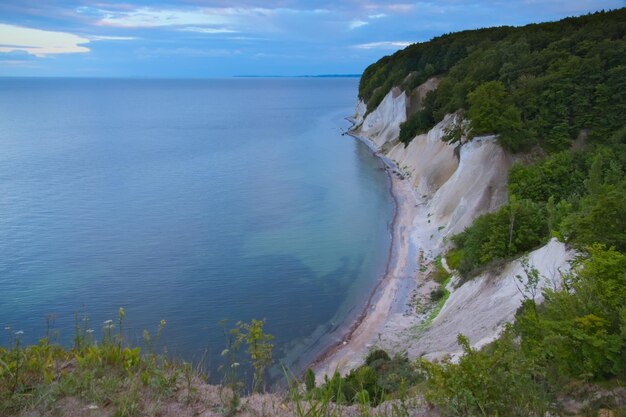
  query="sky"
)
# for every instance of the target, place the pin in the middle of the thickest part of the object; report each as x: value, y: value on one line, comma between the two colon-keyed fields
x: 220, y: 38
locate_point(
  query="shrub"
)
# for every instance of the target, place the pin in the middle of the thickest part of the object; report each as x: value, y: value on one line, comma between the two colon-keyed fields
x: 376, y: 355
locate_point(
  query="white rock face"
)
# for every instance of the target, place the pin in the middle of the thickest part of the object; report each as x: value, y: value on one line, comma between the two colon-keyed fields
x: 459, y: 187
x: 454, y: 186
x: 383, y: 124
x: 359, y: 112
x: 427, y: 161
x: 477, y: 186
x: 480, y: 308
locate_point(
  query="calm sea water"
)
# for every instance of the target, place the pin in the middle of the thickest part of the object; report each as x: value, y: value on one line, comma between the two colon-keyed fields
x: 189, y: 201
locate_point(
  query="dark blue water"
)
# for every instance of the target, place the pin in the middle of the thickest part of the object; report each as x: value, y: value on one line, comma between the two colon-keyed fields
x: 189, y: 201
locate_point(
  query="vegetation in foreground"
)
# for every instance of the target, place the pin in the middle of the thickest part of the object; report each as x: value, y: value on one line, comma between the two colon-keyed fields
x: 108, y: 377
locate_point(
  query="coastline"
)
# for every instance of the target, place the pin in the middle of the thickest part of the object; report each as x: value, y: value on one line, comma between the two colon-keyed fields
x: 391, y: 293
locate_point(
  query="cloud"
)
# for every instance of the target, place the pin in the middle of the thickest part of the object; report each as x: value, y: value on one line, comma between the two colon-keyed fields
x: 150, y: 17
x: 383, y: 45
x: 40, y: 42
x: 112, y: 38
x: 402, y: 7
x: 357, y: 24
x: 208, y: 30
x: 376, y: 16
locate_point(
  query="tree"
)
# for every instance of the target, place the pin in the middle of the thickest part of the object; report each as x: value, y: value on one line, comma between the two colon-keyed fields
x: 602, y: 219
x: 491, y: 112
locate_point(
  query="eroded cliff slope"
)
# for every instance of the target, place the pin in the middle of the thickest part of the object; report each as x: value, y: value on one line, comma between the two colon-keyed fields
x: 453, y: 184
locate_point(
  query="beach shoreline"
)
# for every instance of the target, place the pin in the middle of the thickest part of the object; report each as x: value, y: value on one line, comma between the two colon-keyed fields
x: 390, y: 294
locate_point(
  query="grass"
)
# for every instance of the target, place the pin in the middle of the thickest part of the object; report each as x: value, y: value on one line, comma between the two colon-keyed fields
x: 107, y: 374
x: 108, y: 377
x: 440, y: 295
x: 435, y: 312
x: 453, y: 258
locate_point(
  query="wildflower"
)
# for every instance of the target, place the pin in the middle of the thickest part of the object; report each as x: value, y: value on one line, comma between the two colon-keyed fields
x: 107, y: 322
x: 234, y: 365
x: 224, y: 352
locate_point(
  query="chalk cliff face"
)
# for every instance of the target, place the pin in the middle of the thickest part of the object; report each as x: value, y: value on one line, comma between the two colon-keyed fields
x: 460, y: 183
x: 454, y: 184
x: 477, y: 186
x: 427, y: 161
x: 383, y: 124
x: 480, y: 308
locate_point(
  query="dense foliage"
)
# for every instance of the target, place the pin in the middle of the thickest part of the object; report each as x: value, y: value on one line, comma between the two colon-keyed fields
x: 498, y: 380
x: 381, y: 377
x: 579, y: 331
x: 537, y: 84
x: 577, y: 334
x: 514, y: 228
x: 578, y: 196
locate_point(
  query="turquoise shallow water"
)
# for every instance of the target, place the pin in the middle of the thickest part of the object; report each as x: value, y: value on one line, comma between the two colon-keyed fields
x: 190, y: 201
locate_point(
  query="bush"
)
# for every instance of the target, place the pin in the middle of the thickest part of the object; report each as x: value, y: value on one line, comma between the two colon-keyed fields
x: 513, y: 229
x: 376, y: 355
x: 437, y: 294
x: 579, y: 330
x: 496, y: 381
x: 381, y: 377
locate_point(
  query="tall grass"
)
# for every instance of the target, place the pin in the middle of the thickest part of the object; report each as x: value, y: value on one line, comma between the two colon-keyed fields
x: 102, y: 371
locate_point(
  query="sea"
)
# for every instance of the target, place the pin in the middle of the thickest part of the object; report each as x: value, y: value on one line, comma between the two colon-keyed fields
x: 199, y: 202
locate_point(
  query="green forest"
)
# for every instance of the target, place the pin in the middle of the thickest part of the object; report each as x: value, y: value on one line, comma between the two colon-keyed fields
x: 539, y: 84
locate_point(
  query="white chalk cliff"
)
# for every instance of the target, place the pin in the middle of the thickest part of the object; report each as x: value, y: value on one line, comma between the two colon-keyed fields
x: 454, y: 185
x: 479, y: 308
x: 460, y: 184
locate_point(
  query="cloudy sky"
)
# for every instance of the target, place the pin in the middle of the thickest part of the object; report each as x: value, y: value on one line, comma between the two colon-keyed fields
x: 220, y: 38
